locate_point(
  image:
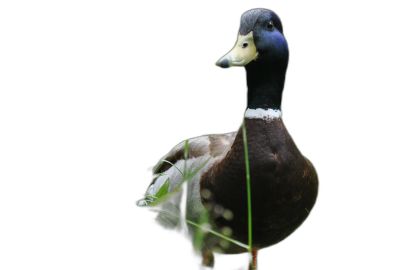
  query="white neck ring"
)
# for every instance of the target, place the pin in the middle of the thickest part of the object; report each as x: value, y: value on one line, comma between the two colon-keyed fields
x: 267, y: 115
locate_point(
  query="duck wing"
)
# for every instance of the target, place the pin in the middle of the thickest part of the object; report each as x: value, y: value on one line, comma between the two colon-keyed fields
x: 200, y: 146
x: 203, y: 152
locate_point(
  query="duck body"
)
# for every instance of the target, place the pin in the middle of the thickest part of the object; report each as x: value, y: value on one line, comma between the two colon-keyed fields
x: 283, y: 183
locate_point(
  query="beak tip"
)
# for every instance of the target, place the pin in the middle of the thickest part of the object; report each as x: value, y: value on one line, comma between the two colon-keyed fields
x: 223, y: 63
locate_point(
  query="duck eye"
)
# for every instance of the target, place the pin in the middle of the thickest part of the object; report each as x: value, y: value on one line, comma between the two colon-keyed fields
x: 244, y: 45
x: 270, y: 25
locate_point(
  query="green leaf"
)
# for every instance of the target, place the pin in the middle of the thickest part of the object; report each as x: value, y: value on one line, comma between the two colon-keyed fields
x: 176, y: 189
x: 161, y: 192
x: 163, y: 189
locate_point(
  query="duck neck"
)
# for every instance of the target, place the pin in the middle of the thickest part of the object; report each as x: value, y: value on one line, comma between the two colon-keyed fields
x: 265, y: 85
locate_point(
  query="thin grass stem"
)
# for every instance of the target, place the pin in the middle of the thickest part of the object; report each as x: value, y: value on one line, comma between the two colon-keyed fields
x: 176, y: 190
x: 185, y: 188
x: 163, y: 160
x: 210, y: 231
x: 246, y: 154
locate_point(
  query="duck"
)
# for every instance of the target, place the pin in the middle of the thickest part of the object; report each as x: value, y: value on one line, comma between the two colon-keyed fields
x: 283, y: 183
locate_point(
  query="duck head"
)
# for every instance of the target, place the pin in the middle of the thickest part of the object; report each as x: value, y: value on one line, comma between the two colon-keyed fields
x: 262, y: 49
x: 260, y: 39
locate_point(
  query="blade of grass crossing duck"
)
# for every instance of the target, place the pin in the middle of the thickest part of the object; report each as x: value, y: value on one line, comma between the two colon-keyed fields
x: 175, y: 166
x: 163, y: 190
x: 208, y: 230
x: 246, y: 154
x: 188, y: 178
x: 185, y: 187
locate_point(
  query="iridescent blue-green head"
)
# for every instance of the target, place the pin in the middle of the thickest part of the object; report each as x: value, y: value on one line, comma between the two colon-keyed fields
x: 262, y: 49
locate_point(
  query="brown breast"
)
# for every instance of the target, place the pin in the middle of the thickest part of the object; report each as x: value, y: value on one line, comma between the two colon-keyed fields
x: 284, y: 184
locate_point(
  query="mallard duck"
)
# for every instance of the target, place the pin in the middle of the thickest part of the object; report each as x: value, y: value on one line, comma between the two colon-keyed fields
x: 284, y: 184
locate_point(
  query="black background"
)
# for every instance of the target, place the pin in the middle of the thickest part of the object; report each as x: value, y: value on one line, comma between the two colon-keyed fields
x: 155, y: 85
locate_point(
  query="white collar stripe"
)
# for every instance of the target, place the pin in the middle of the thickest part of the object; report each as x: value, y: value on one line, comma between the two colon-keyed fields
x: 262, y: 114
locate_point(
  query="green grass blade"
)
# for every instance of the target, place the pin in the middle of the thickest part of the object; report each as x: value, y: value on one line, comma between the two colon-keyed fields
x: 185, y: 187
x: 163, y: 189
x: 163, y: 160
x: 220, y: 235
x: 210, y: 231
x: 158, y: 166
x: 248, y: 190
x: 246, y: 154
x: 176, y: 190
